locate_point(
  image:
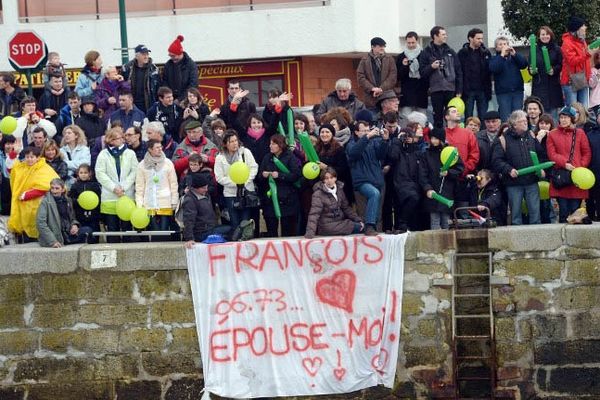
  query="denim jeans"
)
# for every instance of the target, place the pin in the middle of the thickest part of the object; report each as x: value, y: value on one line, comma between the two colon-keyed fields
x: 571, y: 97
x: 373, y: 196
x: 439, y: 220
x: 235, y: 216
x: 478, y: 97
x: 509, y: 102
x: 81, y: 236
x: 531, y: 194
x: 566, y: 207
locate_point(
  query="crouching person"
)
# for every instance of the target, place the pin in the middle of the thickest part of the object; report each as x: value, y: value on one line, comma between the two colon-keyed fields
x: 199, y: 217
x: 330, y: 213
x: 56, y: 221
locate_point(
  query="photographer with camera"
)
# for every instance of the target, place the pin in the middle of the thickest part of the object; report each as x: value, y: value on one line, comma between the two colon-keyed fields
x: 440, y: 65
x: 506, y: 66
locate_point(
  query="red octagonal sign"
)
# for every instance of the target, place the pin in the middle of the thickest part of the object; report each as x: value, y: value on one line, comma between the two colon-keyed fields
x: 26, y: 49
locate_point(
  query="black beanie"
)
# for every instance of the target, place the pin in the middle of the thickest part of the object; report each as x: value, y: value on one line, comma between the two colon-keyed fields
x: 328, y: 126
x: 575, y: 23
x: 439, y: 133
x: 199, y: 180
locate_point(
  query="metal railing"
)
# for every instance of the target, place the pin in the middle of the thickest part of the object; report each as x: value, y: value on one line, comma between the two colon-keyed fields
x: 61, y: 10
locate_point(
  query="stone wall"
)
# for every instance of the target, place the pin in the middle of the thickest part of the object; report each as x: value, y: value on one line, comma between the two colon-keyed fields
x: 548, y: 319
x: 68, y: 331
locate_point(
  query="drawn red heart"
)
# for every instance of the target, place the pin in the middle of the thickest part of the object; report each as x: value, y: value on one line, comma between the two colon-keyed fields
x: 312, y: 365
x: 338, y: 291
x: 339, y: 373
x: 379, y: 362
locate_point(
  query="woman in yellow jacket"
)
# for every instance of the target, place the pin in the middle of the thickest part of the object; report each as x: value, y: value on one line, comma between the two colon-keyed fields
x: 156, y: 186
x: 29, y: 182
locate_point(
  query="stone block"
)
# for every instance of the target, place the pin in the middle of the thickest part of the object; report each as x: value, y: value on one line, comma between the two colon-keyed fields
x: 142, y: 339
x: 107, y: 285
x: 71, y: 391
x: 412, y: 304
x: 138, y: 390
x: 63, y: 287
x: 568, y: 352
x: 424, y: 355
x: 575, y: 381
x: 57, y: 315
x: 432, y: 268
x: 511, y: 351
x: 92, y: 340
x: 586, y: 324
x: 11, y: 316
x: 508, y: 373
x: 184, y: 339
x: 404, y: 390
x: 438, y: 241
x: 505, y: 329
x: 428, y: 328
x: 18, y: 342
x: 12, y: 393
x: 13, y: 289
x: 185, y: 389
x: 549, y: 327
x: 586, y: 272
x: 539, y: 269
x: 528, y: 298
x: 582, y: 236
x: 29, y: 259
x: 139, y: 256
x: 526, y: 238
x: 112, y: 314
x: 173, y: 311
x: 580, y: 297
x: 163, y: 283
x: 410, y: 247
x: 161, y: 364
x: 416, y: 282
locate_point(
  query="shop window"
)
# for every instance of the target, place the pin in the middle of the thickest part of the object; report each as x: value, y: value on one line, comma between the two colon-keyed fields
x: 259, y: 88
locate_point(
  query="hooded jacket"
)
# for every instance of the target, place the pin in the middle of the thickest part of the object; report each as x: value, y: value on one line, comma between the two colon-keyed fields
x: 328, y: 215
x: 83, y: 87
x: 576, y: 57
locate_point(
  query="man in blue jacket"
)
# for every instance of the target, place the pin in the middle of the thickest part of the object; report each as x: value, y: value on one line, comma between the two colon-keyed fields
x: 366, y: 154
x: 128, y: 114
x: 506, y: 66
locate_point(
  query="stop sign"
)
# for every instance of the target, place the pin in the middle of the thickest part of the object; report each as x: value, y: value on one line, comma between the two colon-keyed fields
x: 26, y: 50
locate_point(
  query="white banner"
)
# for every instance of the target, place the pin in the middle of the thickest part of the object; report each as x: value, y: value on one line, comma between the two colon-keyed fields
x: 294, y: 317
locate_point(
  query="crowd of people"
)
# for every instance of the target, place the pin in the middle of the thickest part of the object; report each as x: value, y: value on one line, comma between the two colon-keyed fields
x: 147, y: 134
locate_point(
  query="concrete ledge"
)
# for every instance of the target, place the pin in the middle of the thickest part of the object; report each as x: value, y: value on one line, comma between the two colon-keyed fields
x: 135, y: 256
x: 583, y: 236
x: 526, y: 238
x: 30, y: 258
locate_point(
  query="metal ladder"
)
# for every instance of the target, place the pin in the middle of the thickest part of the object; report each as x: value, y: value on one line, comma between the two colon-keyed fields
x: 473, y: 326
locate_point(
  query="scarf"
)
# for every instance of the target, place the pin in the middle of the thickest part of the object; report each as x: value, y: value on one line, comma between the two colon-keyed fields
x: 343, y: 136
x: 378, y: 59
x: 413, y: 62
x: 63, y: 212
x: 155, y: 163
x: 231, y: 158
x: 116, y: 153
x: 332, y: 191
x: 255, y: 134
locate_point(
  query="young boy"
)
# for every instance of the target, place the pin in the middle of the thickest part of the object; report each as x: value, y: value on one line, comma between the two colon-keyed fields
x: 54, y: 67
x: 56, y: 221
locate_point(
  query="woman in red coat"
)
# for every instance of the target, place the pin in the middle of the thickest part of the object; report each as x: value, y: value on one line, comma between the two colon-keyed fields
x: 559, y: 149
x: 576, y: 58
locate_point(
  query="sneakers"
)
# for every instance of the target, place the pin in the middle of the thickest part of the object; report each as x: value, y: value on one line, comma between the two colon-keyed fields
x: 245, y: 231
x: 370, y: 230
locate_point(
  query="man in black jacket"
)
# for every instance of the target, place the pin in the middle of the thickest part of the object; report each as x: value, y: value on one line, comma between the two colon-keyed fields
x: 440, y: 65
x: 166, y: 111
x: 342, y: 96
x: 237, y: 105
x: 10, y: 95
x: 143, y: 76
x: 181, y: 72
x: 199, y: 217
x: 475, y: 58
x: 486, y: 138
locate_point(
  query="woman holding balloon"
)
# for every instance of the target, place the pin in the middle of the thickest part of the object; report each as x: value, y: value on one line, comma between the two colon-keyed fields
x: 235, y: 170
x: 545, y: 69
x: 569, y: 148
x: 116, y: 169
x: 281, y: 204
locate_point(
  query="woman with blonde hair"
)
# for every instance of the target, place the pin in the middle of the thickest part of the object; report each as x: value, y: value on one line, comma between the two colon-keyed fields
x: 74, y: 150
x: 54, y: 159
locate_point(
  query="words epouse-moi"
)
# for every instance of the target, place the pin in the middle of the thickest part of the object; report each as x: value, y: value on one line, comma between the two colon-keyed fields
x: 302, y: 313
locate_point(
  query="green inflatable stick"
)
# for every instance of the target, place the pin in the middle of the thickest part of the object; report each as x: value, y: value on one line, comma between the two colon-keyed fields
x: 438, y: 197
x: 290, y: 121
x: 546, y: 56
x: 272, y: 193
x: 536, y: 161
x: 535, y: 168
x: 280, y: 129
x: 282, y: 168
x: 532, y: 54
x: 595, y: 44
x: 307, y: 146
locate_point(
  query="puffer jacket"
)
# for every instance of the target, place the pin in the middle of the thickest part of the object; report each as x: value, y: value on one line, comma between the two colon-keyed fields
x: 446, y: 79
x: 156, y: 189
x: 75, y: 157
x: 83, y: 87
x: 559, y: 148
x: 507, y: 73
x: 328, y: 215
x: 515, y: 154
x: 198, y: 215
x: 222, y: 172
x: 576, y: 57
x: 106, y: 174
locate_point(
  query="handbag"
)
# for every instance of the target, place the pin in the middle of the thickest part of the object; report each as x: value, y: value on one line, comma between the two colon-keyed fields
x: 561, y: 177
x: 578, y: 81
x: 245, y: 198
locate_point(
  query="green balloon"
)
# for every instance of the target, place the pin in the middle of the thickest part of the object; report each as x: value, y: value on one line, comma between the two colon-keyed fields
x: 8, y: 125
x: 88, y: 200
x: 125, y: 206
x: 140, y: 218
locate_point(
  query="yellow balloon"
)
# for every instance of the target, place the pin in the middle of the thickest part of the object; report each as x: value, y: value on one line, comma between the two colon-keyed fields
x: 446, y: 153
x: 88, y: 200
x: 458, y: 103
x: 140, y: 218
x: 124, y: 208
x: 239, y: 172
x: 583, y: 178
x: 311, y: 170
x: 544, y: 190
x: 8, y: 125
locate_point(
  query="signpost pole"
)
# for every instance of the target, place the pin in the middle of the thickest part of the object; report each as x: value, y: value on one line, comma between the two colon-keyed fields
x: 29, y: 83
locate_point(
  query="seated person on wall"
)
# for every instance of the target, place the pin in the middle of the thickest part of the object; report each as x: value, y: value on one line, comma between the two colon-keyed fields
x: 56, y: 221
x: 330, y: 213
x: 199, y: 217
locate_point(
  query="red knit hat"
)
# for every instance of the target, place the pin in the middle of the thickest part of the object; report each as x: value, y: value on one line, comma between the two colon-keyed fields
x: 176, y: 47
